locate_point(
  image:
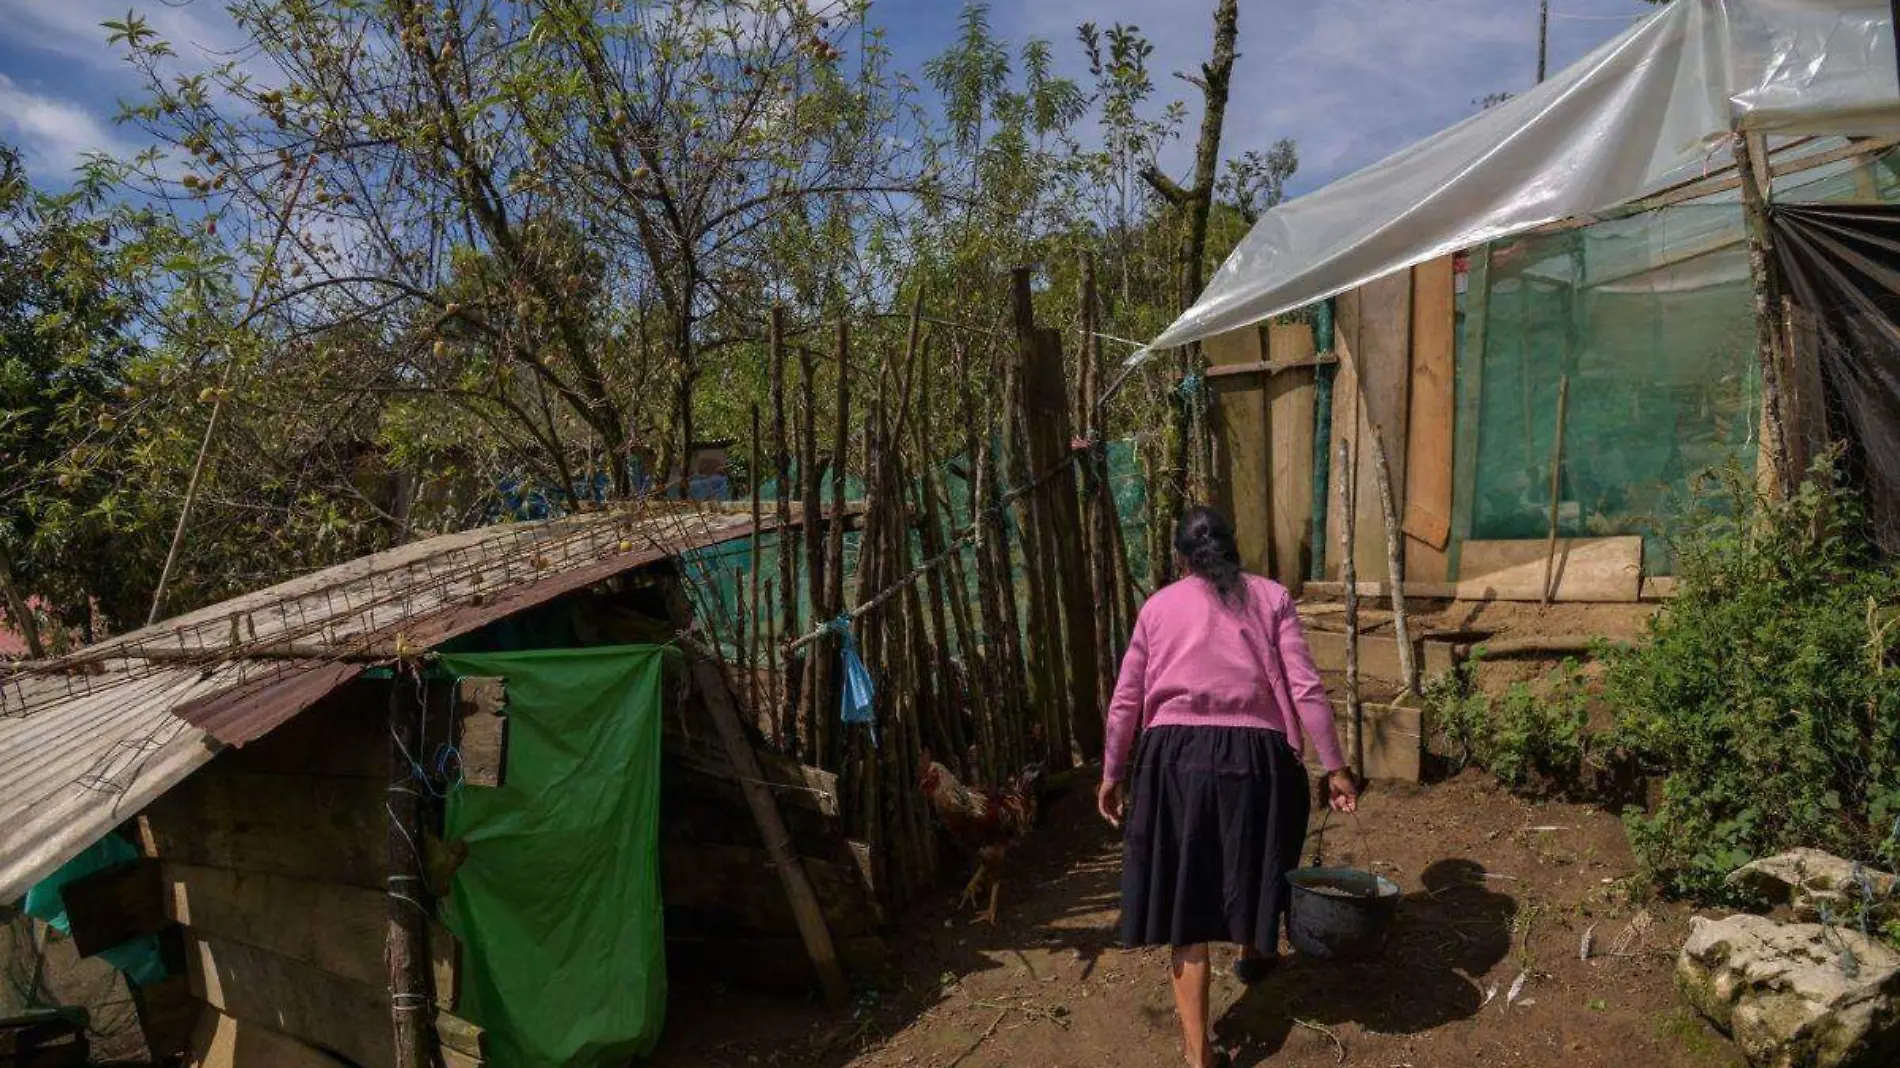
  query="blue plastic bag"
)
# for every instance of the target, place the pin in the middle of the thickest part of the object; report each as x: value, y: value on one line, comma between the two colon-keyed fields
x: 856, y: 696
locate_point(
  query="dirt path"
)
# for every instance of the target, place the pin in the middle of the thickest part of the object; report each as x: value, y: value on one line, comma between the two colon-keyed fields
x: 1496, y: 887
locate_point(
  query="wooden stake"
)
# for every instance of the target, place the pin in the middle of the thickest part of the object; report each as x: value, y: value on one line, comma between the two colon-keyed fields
x: 1762, y: 272
x: 785, y: 685
x: 1355, y: 714
x: 1394, y: 562
x: 406, y: 941
x: 1556, y: 482
x: 756, y: 615
x: 806, y: 910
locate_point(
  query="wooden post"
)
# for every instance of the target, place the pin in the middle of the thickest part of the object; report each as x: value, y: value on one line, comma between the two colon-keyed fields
x: 1100, y: 511
x: 785, y: 684
x: 778, y: 841
x: 1394, y: 563
x: 1348, y: 571
x: 1761, y: 268
x: 756, y: 614
x: 405, y: 941
x: 1556, y: 485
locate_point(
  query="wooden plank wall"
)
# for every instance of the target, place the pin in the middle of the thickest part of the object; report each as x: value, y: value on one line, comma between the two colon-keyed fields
x: 1240, y: 434
x: 272, y: 862
x: 1263, y: 434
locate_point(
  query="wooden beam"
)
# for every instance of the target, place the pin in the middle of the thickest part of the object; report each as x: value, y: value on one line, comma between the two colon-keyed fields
x: 406, y: 939
x: 1269, y: 367
x: 778, y: 844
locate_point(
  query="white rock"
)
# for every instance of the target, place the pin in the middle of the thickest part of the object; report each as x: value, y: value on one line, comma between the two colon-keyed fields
x: 1811, y: 880
x: 1795, y: 995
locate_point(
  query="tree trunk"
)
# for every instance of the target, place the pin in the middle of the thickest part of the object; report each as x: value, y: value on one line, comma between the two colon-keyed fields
x: 19, y: 611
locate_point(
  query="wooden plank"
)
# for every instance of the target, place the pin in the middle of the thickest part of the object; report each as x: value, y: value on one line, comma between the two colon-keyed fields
x: 1384, y: 359
x: 1290, y: 475
x: 302, y: 1001
x: 1235, y: 348
x: 113, y: 906
x: 225, y: 1042
x: 336, y: 928
x: 1433, y: 406
x: 1378, y: 655
x: 1274, y: 366
x: 1348, y: 422
x: 168, y: 1015
x: 1394, y: 740
x: 1587, y: 569
x: 1469, y: 377
x: 1240, y: 473
x: 1239, y: 432
x: 319, y: 828
x: 482, y: 730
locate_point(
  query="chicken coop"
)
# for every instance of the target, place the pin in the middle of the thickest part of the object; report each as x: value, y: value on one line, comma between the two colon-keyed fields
x: 495, y: 744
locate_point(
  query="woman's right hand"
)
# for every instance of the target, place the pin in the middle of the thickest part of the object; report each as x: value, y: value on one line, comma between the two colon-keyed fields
x: 1342, y: 790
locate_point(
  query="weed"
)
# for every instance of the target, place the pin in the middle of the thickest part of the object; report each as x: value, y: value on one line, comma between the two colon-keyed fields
x: 1532, y: 742
x: 1767, y: 692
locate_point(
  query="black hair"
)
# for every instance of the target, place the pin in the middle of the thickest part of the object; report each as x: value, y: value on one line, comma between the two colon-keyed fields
x: 1205, y: 540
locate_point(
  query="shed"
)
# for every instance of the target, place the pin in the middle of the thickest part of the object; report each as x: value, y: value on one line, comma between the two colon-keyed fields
x: 497, y: 725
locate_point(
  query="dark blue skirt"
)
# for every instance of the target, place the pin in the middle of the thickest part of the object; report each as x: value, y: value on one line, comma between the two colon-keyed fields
x: 1216, y: 819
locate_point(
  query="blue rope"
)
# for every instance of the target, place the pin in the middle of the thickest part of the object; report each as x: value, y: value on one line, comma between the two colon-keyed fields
x: 1190, y: 385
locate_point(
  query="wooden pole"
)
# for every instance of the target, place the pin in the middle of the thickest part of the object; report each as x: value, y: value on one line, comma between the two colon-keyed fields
x: 757, y: 607
x: 1100, y: 510
x: 786, y: 683
x: 1556, y: 485
x: 778, y: 841
x: 405, y: 941
x: 1348, y: 571
x: 1394, y: 562
x: 1762, y: 272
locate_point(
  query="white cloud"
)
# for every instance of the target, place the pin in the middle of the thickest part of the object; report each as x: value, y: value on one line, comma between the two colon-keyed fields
x: 199, y: 30
x: 53, y: 134
x: 1351, y: 80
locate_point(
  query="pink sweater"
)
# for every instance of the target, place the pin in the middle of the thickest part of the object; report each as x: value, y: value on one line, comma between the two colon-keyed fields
x: 1195, y: 662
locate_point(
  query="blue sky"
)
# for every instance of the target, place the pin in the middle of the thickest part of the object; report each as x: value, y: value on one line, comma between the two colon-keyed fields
x: 1350, y: 80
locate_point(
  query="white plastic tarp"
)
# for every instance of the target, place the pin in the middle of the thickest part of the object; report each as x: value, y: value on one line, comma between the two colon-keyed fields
x: 1654, y: 106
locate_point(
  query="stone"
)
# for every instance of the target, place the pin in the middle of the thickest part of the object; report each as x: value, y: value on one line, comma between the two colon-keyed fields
x: 1820, y: 887
x: 1795, y: 995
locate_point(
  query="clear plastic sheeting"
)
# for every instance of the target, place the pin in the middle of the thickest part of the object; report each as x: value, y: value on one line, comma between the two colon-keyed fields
x: 1651, y: 108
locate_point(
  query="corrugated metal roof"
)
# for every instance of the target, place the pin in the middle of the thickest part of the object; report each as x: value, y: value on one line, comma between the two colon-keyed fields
x: 88, y: 740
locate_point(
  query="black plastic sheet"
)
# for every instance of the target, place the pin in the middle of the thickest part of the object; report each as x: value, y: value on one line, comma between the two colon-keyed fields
x: 1840, y: 272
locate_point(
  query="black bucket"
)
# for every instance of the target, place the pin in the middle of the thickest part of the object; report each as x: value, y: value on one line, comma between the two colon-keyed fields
x: 1340, y: 913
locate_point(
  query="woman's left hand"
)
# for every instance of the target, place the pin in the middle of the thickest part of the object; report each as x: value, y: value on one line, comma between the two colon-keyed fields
x: 1342, y: 791
x: 1109, y: 801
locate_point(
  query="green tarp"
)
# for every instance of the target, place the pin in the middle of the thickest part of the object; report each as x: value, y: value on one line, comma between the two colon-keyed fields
x: 558, y: 903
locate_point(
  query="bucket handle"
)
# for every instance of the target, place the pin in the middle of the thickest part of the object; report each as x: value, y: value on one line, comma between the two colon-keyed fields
x: 1319, y: 837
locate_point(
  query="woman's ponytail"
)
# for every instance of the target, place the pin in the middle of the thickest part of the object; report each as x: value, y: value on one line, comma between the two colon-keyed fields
x: 1205, y: 541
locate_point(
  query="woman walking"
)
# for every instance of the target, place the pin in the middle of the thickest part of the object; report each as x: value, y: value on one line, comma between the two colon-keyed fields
x: 1220, y: 686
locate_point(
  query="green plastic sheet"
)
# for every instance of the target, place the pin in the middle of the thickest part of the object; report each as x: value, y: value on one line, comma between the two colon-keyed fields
x: 558, y: 904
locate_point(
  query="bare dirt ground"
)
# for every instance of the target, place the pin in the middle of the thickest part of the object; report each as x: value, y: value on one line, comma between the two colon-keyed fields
x: 1496, y: 887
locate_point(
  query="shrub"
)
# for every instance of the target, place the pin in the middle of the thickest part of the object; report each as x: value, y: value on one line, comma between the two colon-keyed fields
x: 1766, y: 692
x: 1529, y: 741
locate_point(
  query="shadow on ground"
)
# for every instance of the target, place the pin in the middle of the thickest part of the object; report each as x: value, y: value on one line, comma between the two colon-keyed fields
x: 1450, y: 929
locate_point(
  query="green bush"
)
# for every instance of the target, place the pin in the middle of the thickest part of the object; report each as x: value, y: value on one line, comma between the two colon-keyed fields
x: 1529, y: 741
x: 1766, y: 693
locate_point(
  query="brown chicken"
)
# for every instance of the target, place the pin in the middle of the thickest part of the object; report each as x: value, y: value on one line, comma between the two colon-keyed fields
x: 986, y: 822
